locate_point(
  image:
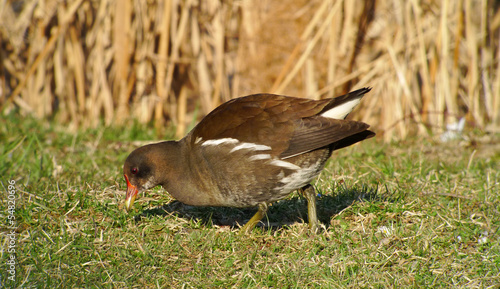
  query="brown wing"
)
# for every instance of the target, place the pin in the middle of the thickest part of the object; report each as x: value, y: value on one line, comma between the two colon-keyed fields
x: 264, y: 119
x: 315, y: 132
x: 289, y: 125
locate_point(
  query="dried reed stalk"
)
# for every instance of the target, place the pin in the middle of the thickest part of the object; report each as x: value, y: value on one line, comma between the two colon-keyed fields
x: 92, y: 62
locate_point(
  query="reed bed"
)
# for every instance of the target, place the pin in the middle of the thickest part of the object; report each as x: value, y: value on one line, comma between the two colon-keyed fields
x: 84, y: 63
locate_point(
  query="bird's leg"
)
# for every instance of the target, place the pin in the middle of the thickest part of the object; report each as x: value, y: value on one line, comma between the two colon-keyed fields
x: 261, y: 212
x: 310, y: 195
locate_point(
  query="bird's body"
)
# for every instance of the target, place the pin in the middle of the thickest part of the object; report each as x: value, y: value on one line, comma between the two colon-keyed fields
x: 250, y: 151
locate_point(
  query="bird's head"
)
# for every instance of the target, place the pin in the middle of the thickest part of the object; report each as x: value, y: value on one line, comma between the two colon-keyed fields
x: 138, y: 171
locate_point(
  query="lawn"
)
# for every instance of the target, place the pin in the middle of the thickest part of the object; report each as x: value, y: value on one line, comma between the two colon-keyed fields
x: 416, y: 213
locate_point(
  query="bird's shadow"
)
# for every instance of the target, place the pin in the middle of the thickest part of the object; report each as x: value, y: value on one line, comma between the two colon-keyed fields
x: 281, y: 213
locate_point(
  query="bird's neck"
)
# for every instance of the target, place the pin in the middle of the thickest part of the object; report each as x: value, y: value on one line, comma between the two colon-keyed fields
x: 173, y: 170
x: 183, y: 176
x: 167, y: 158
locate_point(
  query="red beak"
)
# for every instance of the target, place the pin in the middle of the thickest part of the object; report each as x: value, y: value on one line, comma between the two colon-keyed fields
x: 131, y: 194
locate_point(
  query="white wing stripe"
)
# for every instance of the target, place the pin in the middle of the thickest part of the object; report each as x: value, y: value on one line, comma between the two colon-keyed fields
x: 216, y: 142
x: 251, y: 146
x: 285, y: 165
x: 259, y: 157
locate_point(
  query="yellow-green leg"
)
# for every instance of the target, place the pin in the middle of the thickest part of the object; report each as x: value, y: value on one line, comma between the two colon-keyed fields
x: 310, y: 195
x: 261, y: 212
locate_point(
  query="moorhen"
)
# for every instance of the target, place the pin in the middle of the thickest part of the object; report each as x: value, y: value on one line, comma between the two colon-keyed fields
x: 250, y: 151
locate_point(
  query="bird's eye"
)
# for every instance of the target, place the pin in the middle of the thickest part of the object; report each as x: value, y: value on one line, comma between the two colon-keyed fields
x: 134, y: 170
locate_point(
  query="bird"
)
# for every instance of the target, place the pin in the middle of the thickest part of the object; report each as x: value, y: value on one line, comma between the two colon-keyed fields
x: 250, y: 151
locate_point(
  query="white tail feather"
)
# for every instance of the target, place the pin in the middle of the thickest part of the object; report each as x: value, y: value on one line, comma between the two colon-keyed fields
x: 341, y: 111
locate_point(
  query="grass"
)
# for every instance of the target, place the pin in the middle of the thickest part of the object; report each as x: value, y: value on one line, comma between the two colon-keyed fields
x: 413, y: 214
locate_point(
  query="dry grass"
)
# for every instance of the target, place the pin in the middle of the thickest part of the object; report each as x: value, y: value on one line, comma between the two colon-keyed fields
x: 80, y: 62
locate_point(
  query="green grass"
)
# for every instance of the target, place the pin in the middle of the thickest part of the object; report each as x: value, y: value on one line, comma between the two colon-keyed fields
x: 409, y: 214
